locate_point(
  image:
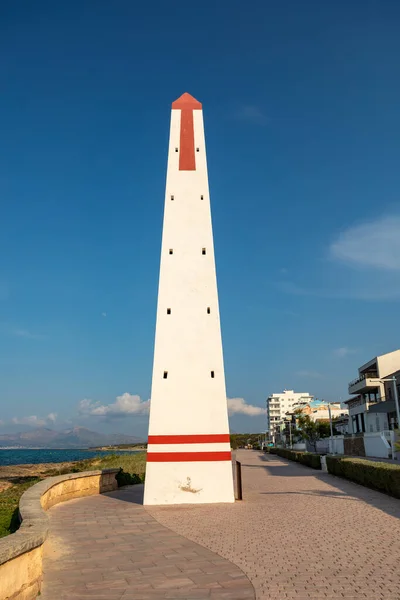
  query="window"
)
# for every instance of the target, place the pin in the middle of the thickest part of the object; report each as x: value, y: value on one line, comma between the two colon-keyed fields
x: 165, y: 374
x: 197, y: 149
x: 212, y: 374
x: 208, y: 310
x: 362, y: 422
x: 203, y: 251
x: 172, y: 198
x: 168, y: 311
x: 171, y: 251
x: 202, y: 197
x: 176, y: 149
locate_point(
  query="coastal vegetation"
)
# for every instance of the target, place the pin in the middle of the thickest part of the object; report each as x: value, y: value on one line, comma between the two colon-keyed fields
x: 240, y: 440
x: 124, y: 447
x: 15, y: 479
x: 9, y: 499
x: 130, y: 463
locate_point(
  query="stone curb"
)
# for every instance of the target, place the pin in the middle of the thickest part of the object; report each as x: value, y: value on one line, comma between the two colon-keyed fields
x: 35, y: 522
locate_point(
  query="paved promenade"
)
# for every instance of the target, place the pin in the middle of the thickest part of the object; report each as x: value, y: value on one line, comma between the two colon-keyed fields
x: 108, y: 547
x: 298, y: 534
x: 301, y: 534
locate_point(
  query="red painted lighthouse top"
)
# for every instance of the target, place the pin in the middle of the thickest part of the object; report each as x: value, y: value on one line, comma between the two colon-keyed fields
x: 187, y: 101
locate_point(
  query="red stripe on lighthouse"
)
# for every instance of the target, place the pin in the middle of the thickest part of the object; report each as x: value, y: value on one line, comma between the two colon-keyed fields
x: 189, y: 439
x: 187, y: 104
x: 187, y: 161
x: 187, y: 456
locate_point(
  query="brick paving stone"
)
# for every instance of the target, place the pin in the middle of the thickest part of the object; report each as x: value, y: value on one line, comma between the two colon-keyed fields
x: 110, y: 547
x: 299, y: 534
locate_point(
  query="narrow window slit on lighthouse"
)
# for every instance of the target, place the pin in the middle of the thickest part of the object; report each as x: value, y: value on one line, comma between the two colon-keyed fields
x: 168, y: 311
x: 212, y: 374
x: 176, y: 149
x: 172, y: 198
x: 201, y: 197
x: 203, y: 251
x: 197, y: 149
x: 208, y: 310
x: 171, y: 251
x: 165, y: 374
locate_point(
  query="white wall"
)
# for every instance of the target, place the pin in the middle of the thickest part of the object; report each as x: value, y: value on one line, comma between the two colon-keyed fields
x: 336, y: 446
x: 324, y: 413
x: 299, y: 446
x: 188, y: 341
x: 388, y: 363
x: 376, y: 445
x: 376, y: 422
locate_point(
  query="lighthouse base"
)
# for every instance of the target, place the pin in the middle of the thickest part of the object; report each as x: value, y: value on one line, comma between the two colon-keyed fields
x: 188, y: 483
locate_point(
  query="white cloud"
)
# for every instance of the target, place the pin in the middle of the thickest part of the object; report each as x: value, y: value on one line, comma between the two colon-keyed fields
x: 343, y: 351
x: 252, y: 114
x: 375, y: 244
x: 128, y: 404
x: 309, y: 374
x: 238, y: 406
x: 35, y: 421
x: 124, y: 405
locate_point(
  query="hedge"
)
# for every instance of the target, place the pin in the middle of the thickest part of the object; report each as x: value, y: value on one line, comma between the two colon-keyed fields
x: 381, y: 476
x: 305, y: 458
x: 124, y: 478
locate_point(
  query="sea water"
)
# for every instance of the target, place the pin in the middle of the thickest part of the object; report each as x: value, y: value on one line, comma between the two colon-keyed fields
x: 23, y: 456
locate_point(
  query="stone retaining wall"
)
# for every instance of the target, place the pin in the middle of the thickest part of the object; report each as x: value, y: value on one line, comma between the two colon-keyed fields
x: 21, y: 552
x: 354, y: 446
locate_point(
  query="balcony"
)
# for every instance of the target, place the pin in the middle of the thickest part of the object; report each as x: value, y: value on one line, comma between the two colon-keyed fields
x: 364, y: 382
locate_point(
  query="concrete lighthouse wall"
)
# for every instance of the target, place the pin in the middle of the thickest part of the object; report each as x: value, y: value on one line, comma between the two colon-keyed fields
x: 189, y: 458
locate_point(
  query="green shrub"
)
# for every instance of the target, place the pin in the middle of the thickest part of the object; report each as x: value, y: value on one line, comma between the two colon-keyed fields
x: 310, y: 460
x: 381, y: 476
x: 9, y: 499
x: 305, y: 458
x: 128, y: 478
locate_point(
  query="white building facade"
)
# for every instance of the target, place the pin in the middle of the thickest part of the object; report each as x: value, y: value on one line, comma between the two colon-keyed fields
x: 189, y: 454
x: 281, y: 403
x: 321, y: 412
x: 372, y: 407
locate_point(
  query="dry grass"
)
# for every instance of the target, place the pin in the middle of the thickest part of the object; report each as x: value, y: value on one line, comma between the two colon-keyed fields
x: 130, y: 463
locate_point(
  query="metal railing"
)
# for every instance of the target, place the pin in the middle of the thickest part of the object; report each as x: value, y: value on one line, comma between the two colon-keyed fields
x: 363, y: 376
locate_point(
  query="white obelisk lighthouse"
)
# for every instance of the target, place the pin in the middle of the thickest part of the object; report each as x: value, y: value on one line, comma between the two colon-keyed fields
x: 189, y: 454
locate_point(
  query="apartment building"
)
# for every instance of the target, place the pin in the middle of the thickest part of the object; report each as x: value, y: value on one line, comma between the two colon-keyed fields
x: 321, y: 412
x: 372, y: 408
x: 280, y: 404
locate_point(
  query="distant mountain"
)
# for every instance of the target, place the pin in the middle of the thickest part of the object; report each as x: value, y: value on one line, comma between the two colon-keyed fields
x: 77, y: 437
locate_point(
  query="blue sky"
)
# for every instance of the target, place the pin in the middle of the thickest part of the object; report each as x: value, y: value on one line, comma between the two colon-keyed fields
x: 303, y: 140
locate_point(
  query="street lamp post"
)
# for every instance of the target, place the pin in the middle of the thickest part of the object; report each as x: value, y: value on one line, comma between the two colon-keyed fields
x: 331, y: 427
x: 396, y: 401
